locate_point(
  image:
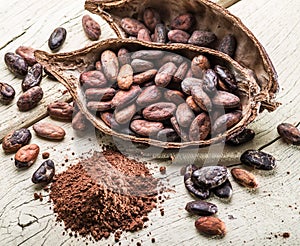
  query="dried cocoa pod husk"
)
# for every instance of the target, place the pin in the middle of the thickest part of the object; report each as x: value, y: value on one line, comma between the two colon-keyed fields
x: 209, y: 16
x: 67, y: 67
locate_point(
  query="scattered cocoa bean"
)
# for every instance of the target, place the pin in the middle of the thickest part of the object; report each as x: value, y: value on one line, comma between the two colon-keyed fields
x: 184, y: 115
x: 144, y: 77
x: 123, y: 98
x: 289, y: 133
x: 79, y: 122
x: 224, y: 190
x: 30, y: 99
x: 91, y: 28
x: 225, y: 100
x: 101, y: 94
x: 7, y: 93
x: 243, y: 137
x: 165, y: 74
x: 201, y: 98
x: 49, y: 131
x: 57, y: 38
x: 15, y: 140
x: 174, y: 96
x: 33, y: 77
x: 60, y: 111
x: 44, y: 173
x: 27, y: 53
x: 201, y: 208
x: 181, y: 72
x: 26, y: 155
x: 190, y: 101
x: 16, y: 64
x: 258, y: 159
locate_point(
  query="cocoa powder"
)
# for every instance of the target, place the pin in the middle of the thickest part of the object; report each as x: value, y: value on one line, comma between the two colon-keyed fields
x: 103, y: 194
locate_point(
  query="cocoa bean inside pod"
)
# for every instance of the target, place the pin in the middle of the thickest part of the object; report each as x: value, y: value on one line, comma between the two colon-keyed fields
x: 148, y: 114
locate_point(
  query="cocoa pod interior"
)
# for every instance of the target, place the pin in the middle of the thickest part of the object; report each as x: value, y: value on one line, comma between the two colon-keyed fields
x: 209, y: 17
x: 67, y: 67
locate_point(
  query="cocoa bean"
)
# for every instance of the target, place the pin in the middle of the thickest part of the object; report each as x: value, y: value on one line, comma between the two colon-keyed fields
x: 210, y: 81
x: 225, y: 100
x: 244, y: 178
x: 144, y: 35
x: 140, y: 65
x: 109, y: 119
x: 228, y: 45
x: 183, y: 22
x: 200, y: 127
x: 151, y: 18
x: 15, y: 140
x: 184, y: 115
x: 170, y: 57
x: 227, y: 77
x: 149, y: 95
x: 181, y: 72
x: 7, y: 93
x: 91, y: 28
x: 202, y: 38
x: 99, y: 106
x: 289, y: 133
x: 211, y: 226
x: 93, y: 79
x: 174, y: 96
x: 188, y: 83
x: 243, y: 137
x: 27, y: 53
x: 190, y: 101
x: 124, y: 115
x: 16, y: 64
x: 60, y: 111
x: 199, y: 65
x: 226, y: 121
x: 57, y: 38
x: 101, y: 94
x: 182, y: 133
x: 79, y: 122
x: 167, y: 135
x: 44, y: 173
x: 147, y: 54
x: 201, y: 208
x: 144, y: 77
x: 224, y: 190
x: 110, y: 65
x: 178, y: 36
x: 26, y: 155
x: 146, y: 128
x: 258, y: 159
x: 125, y: 77
x: 123, y: 98
x: 49, y: 131
x: 124, y: 57
x: 33, y: 77
x: 160, y: 34
x: 165, y: 74
x: 201, y: 98
x: 132, y: 26
x: 159, y: 111
x: 30, y: 99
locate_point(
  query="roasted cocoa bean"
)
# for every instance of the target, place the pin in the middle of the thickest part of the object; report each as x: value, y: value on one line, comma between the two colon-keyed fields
x: 144, y: 35
x: 201, y: 98
x: 243, y: 137
x: 33, y: 77
x: 27, y: 53
x: 123, y: 98
x: 125, y: 77
x: 178, y: 36
x: 7, y: 93
x: 227, y: 77
x: 210, y: 81
x: 151, y: 18
x: 99, y: 106
x: 49, y: 131
x: 199, y: 65
x: 160, y: 34
x: 110, y: 65
x: 211, y: 226
x: 15, y: 140
x: 146, y: 128
x: 144, y: 77
x: 16, y: 64
x: 182, y: 133
x: 202, y: 38
x: 140, y: 65
x: 289, y: 133
x: 258, y: 159
x: 201, y: 208
x: 159, y: 111
x: 101, y: 94
x: 30, y: 99
x: 224, y: 190
x: 60, y: 111
x: 149, y: 95
x: 132, y: 26
x: 165, y: 74
x: 183, y: 22
x: 147, y: 54
x: 244, y: 178
x: 200, y: 127
x: 109, y: 119
x: 44, y: 173
x: 124, y: 57
x: 228, y: 45
x: 174, y: 96
x: 79, y: 122
x: 184, y: 115
x: 91, y: 28
x: 26, y: 155
x: 190, y: 101
x: 181, y: 72
x: 226, y: 121
x: 188, y: 83
x: 93, y: 79
x: 124, y: 115
x: 169, y: 57
x: 225, y: 100
x: 57, y: 38
x: 210, y: 176
x: 167, y: 135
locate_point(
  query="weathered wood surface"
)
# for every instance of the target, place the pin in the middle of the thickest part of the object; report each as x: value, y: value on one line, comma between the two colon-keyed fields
x: 252, y: 218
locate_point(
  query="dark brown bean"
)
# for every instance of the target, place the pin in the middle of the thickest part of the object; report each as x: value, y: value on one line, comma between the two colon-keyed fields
x: 26, y: 155
x: 60, y: 111
x: 15, y: 140
x: 159, y: 111
x: 225, y: 100
x: 140, y: 65
x: 99, y: 106
x: 27, y: 53
x: 123, y: 98
x: 165, y: 74
x: 201, y: 98
x: 33, y: 77
x: 7, y: 93
x: 101, y: 94
x: 224, y: 190
x: 200, y: 127
x: 210, y: 81
x: 149, y: 95
x: 168, y: 135
x: 160, y: 34
x: 151, y: 18
x: 227, y: 77
x: 132, y: 26
x: 124, y: 57
x: 91, y: 28
x: 183, y: 22
x: 30, y: 99
x: 228, y: 45
x: 210, y: 176
x: 45, y: 172
x: 184, y: 115
x: 201, y: 208
x: 289, y: 133
x: 57, y: 38
x: 144, y: 77
x: 124, y: 115
x: 178, y: 36
x: 243, y: 137
x: 110, y: 65
x: 16, y: 64
x: 258, y: 159
x: 93, y: 79
x: 49, y: 131
x: 146, y: 128
x: 174, y: 96
x: 226, y: 121
x: 202, y: 38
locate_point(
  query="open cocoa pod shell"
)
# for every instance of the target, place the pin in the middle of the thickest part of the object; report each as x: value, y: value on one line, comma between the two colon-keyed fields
x: 209, y: 17
x: 67, y: 68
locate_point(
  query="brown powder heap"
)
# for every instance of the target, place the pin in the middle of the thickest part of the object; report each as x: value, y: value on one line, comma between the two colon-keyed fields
x: 104, y: 193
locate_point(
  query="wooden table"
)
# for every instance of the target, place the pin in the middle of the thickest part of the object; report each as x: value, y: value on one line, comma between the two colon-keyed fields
x: 252, y: 218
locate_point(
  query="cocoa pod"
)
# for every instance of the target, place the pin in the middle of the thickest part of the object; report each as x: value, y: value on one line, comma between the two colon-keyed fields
x: 190, y: 101
x: 91, y: 28
x: 132, y: 26
x: 159, y: 111
x: 151, y: 18
x: 49, y: 131
x: 15, y: 140
x: 44, y: 173
x: 181, y: 72
x: 33, y: 77
x: 201, y: 98
x: 211, y: 226
x: 226, y: 121
x: 101, y: 94
x: 149, y: 95
x: 124, y: 57
x: 202, y: 38
x: 99, y: 106
x: 60, y: 111
x: 199, y: 65
x: 125, y: 77
x: 289, y: 133
x: 144, y: 76
x: 200, y: 127
x: 7, y: 93
x: 57, y: 38
x: 30, y: 99
x: 16, y: 64
x: 110, y: 65
x: 178, y: 36
x: 27, y: 53
x: 146, y: 128
x: 183, y: 22
x: 144, y: 35
x: 225, y: 100
x: 165, y: 74
x: 244, y: 178
x: 124, y: 115
x: 147, y: 54
x: 123, y: 98
x: 258, y: 159
x: 174, y: 96
x: 92, y: 79
x: 140, y: 65
x: 228, y: 45
x: 26, y: 155
x: 184, y: 115
x: 160, y: 34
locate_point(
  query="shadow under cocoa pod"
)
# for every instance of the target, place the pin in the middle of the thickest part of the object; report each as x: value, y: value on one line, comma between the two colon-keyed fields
x: 208, y: 17
x: 67, y: 68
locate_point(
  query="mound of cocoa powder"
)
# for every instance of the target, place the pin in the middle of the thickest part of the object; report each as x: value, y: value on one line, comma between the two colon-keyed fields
x: 105, y: 193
